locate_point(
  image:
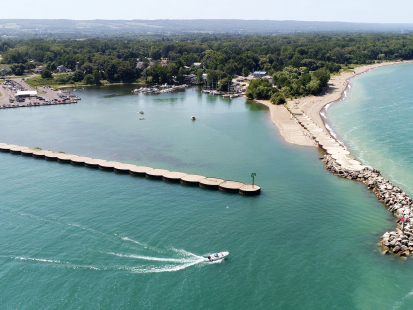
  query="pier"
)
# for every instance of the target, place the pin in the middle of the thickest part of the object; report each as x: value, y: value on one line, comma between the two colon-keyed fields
x: 142, y: 171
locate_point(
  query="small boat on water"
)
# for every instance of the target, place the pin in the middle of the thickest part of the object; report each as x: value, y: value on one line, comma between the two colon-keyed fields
x: 141, y: 112
x: 193, y: 118
x: 218, y: 256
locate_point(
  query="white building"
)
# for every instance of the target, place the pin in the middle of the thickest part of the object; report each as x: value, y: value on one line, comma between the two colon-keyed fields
x: 39, y: 69
x: 259, y: 74
x: 27, y: 93
x: 61, y: 68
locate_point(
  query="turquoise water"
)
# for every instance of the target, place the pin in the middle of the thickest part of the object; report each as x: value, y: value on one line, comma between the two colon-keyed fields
x: 375, y: 122
x: 73, y: 237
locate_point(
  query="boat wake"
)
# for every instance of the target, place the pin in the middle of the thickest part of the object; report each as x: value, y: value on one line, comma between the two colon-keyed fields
x: 180, y: 259
x: 159, y: 260
x: 132, y: 255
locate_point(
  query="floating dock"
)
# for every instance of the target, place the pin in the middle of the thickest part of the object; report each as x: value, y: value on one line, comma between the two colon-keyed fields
x: 151, y: 173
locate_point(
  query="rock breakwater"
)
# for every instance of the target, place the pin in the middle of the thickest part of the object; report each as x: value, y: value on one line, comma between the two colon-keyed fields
x: 398, y: 202
x: 339, y: 161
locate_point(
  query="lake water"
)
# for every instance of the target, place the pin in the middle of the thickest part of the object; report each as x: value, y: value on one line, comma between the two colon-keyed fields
x: 73, y: 237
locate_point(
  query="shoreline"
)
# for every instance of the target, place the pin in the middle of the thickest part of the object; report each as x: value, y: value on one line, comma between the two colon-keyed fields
x: 339, y: 161
x: 312, y: 106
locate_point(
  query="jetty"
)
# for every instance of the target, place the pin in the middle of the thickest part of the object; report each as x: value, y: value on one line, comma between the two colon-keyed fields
x: 142, y: 171
x: 339, y: 161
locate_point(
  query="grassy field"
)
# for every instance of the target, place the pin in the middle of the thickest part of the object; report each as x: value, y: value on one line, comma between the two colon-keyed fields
x: 5, y: 66
x: 38, y: 81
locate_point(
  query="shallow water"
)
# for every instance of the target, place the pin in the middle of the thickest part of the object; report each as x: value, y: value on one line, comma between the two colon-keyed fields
x: 73, y: 237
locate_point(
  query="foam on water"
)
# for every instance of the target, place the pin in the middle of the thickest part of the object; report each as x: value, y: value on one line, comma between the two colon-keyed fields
x: 37, y: 259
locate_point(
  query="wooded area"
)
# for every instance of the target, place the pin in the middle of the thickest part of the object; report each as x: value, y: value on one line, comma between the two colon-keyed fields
x: 300, y: 64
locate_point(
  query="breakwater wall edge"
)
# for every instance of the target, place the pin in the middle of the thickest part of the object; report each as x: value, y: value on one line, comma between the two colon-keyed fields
x: 160, y: 174
x: 339, y: 161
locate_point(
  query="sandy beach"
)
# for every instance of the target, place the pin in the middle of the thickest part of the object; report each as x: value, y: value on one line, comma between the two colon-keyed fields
x: 290, y: 129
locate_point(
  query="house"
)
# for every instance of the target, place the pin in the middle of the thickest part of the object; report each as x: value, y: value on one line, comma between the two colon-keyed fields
x: 186, y: 67
x: 198, y: 65
x: 3, y: 72
x: 190, y: 79
x: 139, y: 64
x: 259, y: 74
x: 68, y: 70
x: 164, y: 62
x: 61, y: 68
x: 204, y: 76
x: 39, y: 69
x: 269, y: 78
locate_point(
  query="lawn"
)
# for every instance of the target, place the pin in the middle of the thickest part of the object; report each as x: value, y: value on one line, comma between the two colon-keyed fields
x: 39, y: 81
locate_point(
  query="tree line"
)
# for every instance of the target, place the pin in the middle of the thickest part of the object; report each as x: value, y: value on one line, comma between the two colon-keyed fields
x: 297, y: 62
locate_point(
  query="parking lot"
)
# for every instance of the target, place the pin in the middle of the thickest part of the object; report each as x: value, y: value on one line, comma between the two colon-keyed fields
x: 45, y: 95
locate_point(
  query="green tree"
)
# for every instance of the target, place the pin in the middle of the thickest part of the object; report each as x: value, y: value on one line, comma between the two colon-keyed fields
x: 89, y: 79
x: 88, y: 68
x: 199, y: 78
x: 46, y: 74
x: 224, y: 83
x: 323, y: 75
x: 110, y: 72
x: 314, y: 87
x: 180, y: 76
x: 78, y: 76
x: 277, y: 98
x: 18, y: 69
x: 96, y: 77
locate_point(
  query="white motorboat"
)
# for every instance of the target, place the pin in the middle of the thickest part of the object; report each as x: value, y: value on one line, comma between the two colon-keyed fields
x: 193, y: 118
x: 218, y: 256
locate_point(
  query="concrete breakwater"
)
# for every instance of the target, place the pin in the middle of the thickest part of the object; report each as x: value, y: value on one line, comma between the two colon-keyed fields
x: 339, y: 161
x: 160, y: 174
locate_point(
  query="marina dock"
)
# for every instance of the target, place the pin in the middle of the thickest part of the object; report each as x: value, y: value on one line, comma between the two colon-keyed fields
x: 142, y: 171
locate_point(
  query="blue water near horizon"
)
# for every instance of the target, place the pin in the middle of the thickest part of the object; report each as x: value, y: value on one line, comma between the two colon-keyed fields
x: 73, y: 237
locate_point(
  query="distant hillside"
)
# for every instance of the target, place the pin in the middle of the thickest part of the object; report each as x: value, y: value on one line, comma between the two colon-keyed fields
x: 101, y: 28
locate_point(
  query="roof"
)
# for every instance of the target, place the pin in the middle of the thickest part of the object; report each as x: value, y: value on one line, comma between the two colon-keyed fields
x: 27, y: 93
x: 260, y: 72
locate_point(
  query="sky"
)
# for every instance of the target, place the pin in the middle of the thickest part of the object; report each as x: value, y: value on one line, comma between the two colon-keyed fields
x: 366, y: 11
